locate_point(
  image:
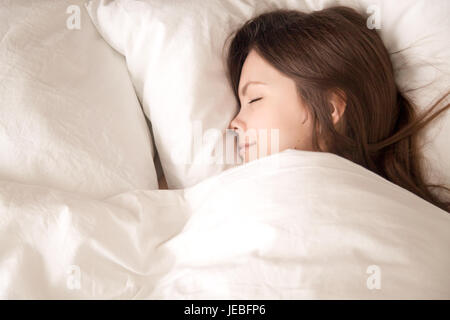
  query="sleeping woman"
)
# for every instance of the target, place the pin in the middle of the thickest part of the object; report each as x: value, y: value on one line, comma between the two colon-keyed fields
x: 325, y: 81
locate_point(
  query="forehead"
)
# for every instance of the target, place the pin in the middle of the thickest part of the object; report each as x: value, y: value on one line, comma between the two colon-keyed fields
x: 255, y: 68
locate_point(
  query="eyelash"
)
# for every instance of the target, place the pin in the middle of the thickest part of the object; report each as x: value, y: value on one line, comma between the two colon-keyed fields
x: 254, y: 100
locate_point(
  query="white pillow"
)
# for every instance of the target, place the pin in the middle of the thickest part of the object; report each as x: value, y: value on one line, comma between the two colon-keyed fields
x: 70, y: 116
x: 174, y: 54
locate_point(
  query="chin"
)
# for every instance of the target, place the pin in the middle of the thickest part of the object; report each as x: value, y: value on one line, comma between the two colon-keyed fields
x: 252, y: 153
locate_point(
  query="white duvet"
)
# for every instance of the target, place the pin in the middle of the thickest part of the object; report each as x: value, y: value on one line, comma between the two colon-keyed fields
x: 295, y: 225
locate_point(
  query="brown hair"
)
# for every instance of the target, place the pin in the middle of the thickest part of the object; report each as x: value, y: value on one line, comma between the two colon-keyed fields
x: 333, y: 49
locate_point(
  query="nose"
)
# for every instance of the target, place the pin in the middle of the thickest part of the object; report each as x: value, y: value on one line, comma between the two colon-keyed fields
x: 236, y: 124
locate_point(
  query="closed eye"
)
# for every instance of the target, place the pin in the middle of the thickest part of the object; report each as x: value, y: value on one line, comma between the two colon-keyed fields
x: 254, y: 100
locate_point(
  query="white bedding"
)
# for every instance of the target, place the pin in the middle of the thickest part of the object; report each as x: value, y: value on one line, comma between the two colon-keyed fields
x: 292, y: 225
x: 70, y: 118
x: 79, y: 218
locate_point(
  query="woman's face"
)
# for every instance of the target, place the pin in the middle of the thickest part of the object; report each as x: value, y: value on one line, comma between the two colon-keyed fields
x: 270, y: 104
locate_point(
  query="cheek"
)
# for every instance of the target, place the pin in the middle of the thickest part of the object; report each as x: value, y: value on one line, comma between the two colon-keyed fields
x: 283, y: 126
x: 264, y: 118
x: 258, y: 118
x: 295, y: 128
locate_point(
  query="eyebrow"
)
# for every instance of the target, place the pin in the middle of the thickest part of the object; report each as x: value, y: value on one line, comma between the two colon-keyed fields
x: 244, y: 88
